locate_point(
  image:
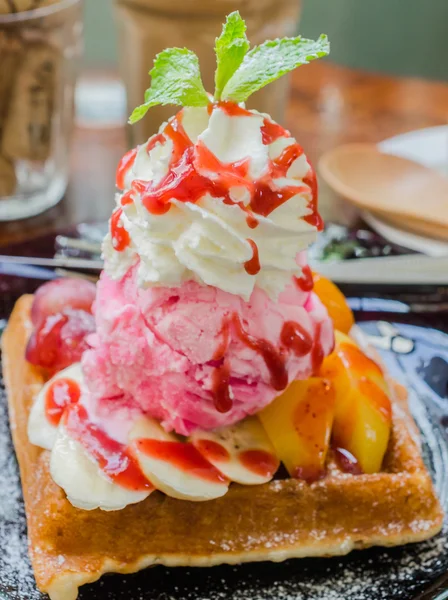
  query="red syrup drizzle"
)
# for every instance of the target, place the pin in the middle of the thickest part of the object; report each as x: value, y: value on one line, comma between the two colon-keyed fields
x: 123, y: 167
x: 272, y: 131
x: 212, y: 451
x: 154, y: 140
x: 252, y: 266
x: 259, y: 462
x: 224, y: 344
x: 113, y: 458
x: 274, y: 358
x: 220, y: 388
x: 309, y: 474
x: 317, y: 352
x: 306, y: 281
x: 251, y: 221
x: 127, y: 198
x: 60, y: 394
x: 230, y: 108
x: 186, y: 184
x: 184, y: 457
x: 267, y: 197
x: 296, y: 338
x: 293, y: 337
x: 347, y: 462
x: 221, y: 374
x: 120, y: 237
x: 314, y: 218
x: 282, y: 163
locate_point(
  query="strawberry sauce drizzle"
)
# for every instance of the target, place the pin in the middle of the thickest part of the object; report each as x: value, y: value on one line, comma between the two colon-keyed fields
x: 347, y: 462
x: 175, y: 131
x: 124, y: 166
x: 154, y: 140
x: 212, y: 451
x: 120, y: 237
x: 220, y: 388
x: 224, y: 344
x: 251, y: 221
x: 60, y: 394
x: 309, y: 474
x: 274, y: 359
x: 127, y: 198
x: 183, y: 456
x: 317, y: 352
x: 260, y: 462
x: 282, y: 164
x: 293, y: 338
x: 306, y: 281
x: 113, y: 458
x: 296, y: 338
x: 267, y: 197
x: 252, y: 266
x: 314, y: 218
x: 230, y: 108
x: 185, y: 183
x: 272, y: 131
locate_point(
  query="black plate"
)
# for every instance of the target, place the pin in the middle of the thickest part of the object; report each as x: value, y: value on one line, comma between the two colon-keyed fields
x: 406, y: 573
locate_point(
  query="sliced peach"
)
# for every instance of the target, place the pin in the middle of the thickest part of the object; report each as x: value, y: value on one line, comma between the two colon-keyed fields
x: 334, y: 301
x: 348, y: 362
x: 299, y: 424
x: 363, y: 413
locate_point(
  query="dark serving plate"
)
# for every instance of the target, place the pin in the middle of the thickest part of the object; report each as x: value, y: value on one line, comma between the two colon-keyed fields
x: 418, y: 356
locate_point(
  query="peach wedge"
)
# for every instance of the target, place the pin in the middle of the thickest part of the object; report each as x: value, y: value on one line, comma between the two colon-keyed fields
x: 363, y: 414
x: 334, y: 301
x: 299, y: 424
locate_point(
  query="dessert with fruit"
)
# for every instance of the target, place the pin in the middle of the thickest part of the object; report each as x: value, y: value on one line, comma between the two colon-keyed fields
x: 208, y: 400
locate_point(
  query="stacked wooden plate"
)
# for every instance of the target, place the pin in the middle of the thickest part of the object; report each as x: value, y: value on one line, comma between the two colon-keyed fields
x: 400, y: 192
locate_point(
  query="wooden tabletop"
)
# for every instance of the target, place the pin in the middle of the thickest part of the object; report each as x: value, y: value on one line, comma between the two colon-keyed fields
x: 330, y: 105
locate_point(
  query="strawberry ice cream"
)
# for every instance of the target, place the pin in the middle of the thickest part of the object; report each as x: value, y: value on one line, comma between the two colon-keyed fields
x: 205, y: 311
x: 195, y: 356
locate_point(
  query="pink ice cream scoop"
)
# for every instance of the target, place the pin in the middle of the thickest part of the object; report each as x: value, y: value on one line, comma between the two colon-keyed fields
x: 198, y: 357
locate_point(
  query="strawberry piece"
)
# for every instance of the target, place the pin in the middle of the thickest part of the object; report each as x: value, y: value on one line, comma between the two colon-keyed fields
x: 60, y: 339
x: 55, y: 296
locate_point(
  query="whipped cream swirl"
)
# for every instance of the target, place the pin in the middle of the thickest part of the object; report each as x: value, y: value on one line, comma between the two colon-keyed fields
x: 219, y: 240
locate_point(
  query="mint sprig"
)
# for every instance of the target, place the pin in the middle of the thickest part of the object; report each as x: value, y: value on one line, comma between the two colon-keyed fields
x: 269, y: 61
x: 230, y: 49
x: 176, y: 77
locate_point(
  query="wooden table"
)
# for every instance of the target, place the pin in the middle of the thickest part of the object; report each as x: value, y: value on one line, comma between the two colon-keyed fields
x: 330, y: 105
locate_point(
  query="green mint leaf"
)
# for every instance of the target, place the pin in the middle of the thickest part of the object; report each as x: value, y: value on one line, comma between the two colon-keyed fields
x: 269, y: 61
x: 230, y: 48
x: 175, y: 79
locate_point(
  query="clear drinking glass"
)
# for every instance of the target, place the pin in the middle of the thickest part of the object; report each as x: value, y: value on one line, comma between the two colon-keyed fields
x: 146, y: 27
x: 39, y: 56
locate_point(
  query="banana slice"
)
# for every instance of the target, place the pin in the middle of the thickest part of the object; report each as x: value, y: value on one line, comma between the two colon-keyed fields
x: 174, y: 467
x: 41, y: 430
x: 242, y: 452
x: 82, y: 479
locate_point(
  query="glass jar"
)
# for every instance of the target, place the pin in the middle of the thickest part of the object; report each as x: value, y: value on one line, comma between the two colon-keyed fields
x: 39, y: 56
x: 148, y: 26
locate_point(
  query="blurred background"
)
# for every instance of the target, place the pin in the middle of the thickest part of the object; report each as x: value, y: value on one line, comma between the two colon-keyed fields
x: 384, y: 86
x: 393, y: 36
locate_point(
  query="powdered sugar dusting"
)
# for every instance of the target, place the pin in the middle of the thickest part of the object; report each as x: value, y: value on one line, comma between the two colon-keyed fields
x: 16, y: 577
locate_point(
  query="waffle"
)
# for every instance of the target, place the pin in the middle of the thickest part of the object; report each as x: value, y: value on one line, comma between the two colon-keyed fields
x: 282, y: 519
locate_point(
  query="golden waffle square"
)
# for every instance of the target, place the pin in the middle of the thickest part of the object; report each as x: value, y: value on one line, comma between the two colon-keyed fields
x: 282, y: 519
